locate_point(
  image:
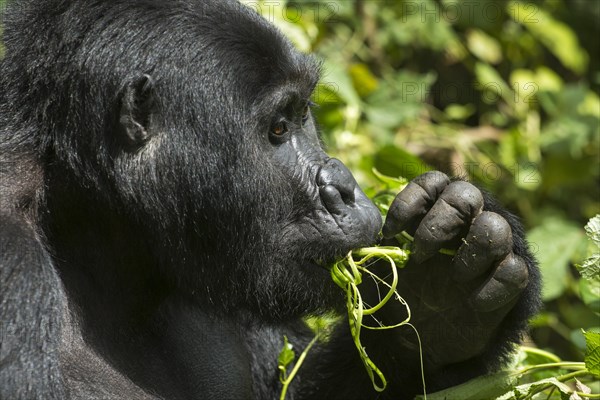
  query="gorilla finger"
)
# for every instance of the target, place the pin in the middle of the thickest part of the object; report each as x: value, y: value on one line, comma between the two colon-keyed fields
x: 506, y: 283
x: 412, y: 203
x: 458, y: 204
x: 488, y: 241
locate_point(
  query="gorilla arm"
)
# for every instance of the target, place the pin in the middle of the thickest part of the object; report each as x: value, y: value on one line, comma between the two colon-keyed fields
x: 30, y: 295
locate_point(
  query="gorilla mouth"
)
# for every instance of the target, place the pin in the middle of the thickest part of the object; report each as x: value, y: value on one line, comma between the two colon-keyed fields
x: 325, y: 264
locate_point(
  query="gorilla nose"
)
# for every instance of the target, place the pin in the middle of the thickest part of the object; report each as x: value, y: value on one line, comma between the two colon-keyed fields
x: 355, y: 215
x: 334, y: 178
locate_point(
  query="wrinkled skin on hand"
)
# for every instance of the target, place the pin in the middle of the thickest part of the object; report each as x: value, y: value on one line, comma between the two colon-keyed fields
x: 457, y: 302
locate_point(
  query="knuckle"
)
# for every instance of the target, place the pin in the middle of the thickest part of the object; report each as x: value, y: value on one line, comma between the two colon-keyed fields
x: 433, y: 182
x: 491, y: 232
x: 411, y: 194
x: 409, y: 201
x: 464, y: 196
x: 504, y: 286
x: 513, y: 272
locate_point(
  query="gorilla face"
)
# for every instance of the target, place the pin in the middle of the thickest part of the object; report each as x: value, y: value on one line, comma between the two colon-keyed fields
x: 328, y: 214
x: 337, y: 216
x: 264, y: 203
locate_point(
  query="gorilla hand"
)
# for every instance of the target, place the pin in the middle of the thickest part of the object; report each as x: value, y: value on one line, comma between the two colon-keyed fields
x: 457, y: 302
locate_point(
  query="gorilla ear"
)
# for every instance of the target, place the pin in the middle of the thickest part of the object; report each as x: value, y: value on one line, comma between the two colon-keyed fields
x: 137, y: 105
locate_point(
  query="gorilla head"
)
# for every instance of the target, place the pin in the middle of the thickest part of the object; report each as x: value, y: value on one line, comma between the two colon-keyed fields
x: 187, y: 154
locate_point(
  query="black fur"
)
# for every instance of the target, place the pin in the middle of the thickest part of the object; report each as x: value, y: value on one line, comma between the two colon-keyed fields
x: 158, y: 239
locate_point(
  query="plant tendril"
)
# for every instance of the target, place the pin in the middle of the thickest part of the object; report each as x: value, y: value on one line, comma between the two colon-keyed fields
x: 347, y: 274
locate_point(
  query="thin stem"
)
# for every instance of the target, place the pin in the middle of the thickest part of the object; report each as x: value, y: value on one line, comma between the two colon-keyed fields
x: 540, y: 352
x: 390, y: 293
x: 297, y: 365
x: 447, y: 252
x: 566, y: 365
x: 588, y: 395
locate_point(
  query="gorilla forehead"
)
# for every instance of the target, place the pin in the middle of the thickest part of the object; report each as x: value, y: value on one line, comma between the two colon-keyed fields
x: 250, y: 50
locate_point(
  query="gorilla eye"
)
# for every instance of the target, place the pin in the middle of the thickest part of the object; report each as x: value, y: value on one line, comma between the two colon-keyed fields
x: 279, y: 128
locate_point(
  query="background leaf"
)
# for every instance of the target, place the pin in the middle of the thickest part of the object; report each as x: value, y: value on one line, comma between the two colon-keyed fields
x: 592, y: 353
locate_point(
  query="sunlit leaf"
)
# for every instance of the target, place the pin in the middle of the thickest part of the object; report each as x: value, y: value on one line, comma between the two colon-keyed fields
x: 484, y: 47
x: 459, y: 112
x: 590, y: 105
x: 592, y: 353
x: 589, y: 290
x: 531, y: 388
x: 364, y: 81
x: 286, y: 354
x: 527, y: 176
x: 547, y: 80
x: 490, y: 80
x: 590, y: 267
x: 524, y: 84
x: 553, y: 243
x: 392, y: 183
x: 393, y: 161
x: 592, y: 230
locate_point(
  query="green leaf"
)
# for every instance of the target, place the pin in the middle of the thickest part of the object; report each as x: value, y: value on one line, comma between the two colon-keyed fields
x: 548, y: 80
x: 528, y: 177
x: 383, y: 201
x: 363, y: 80
x: 554, y: 243
x: 484, y: 47
x: 592, y: 353
x: 484, y: 387
x: 286, y: 355
x: 322, y: 324
x: 592, y: 229
x: 340, y: 79
x: 394, y: 161
x: 531, y: 388
x: 589, y: 291
x: 399, y: 99
x: 590, y: 268
x: 590, y: 105
x: 459, y: 112
x: 490, y: 80
x: 524, y: 83
x: 395, y: 184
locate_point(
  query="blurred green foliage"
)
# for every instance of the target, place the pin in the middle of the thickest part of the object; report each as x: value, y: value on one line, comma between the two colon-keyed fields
x: 502, y: 92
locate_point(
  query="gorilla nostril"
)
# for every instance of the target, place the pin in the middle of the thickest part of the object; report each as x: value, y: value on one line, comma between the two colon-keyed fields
x: 335, y: 174
x: 348, y: 198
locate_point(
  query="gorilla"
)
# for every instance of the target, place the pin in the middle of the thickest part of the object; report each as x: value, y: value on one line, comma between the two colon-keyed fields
x: 167, y: 209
